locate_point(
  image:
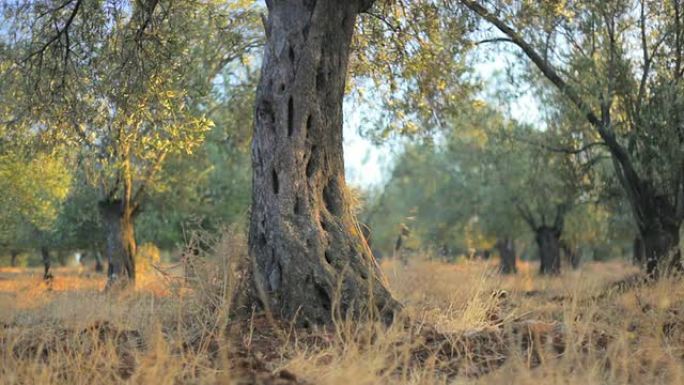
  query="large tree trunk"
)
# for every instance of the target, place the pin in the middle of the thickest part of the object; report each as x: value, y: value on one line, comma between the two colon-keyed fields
x: 506, y: 249
x: 120, y: 238
x: 310, y: 258
x: 658, y: 220
x: 45, y: 254
x: 548, y: 241
x: 658, y: 223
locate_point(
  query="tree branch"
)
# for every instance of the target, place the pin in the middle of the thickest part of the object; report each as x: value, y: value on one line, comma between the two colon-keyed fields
x: 526, y: 214
x: 151, y: 172
x: 563, y: 150
x: 60, y: 32
x: 601, y: 125
x: 494, y: 40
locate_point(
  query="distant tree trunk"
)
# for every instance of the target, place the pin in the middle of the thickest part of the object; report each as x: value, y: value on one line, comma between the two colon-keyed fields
x: 572, y: 255
x: 548, y: 241
x: 575, y: 259
x: 99, y: 268
x: 45, y: 254
x: 404, y: 232
x: 13, y: 257
x: 658, y: 215
x: 506, y: 249
x: 638, y: 252
x: 397, y: 253
x: 310, y: 256
x: 120, y: 238
x: 486, y: 254
x: 61, y: 257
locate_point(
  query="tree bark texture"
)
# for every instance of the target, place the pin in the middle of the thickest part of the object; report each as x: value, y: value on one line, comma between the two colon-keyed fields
x: 311, y: 261
x: 548, y: 241
x: 120, y: 238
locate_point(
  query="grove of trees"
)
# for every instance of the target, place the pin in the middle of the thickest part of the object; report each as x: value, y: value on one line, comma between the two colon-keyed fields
x: 124, y: 122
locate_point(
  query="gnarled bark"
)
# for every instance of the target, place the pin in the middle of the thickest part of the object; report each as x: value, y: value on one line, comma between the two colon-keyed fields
x: 310, y: 258
x: 120, y: 238
x: 548, y: 241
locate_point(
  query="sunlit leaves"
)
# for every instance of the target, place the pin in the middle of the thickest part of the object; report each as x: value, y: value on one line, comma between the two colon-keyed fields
x: 33, y: 190
x: 623, y: 58
x: 407, y: 55
x: 134, y: 86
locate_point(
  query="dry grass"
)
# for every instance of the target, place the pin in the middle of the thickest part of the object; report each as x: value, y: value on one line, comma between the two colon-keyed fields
x: 453, y: 330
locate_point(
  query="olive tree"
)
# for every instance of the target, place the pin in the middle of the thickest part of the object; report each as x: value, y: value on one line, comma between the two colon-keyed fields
x: 619, y: 64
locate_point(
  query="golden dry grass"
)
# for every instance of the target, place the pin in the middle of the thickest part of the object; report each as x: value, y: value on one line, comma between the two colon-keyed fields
x: 167, y: 332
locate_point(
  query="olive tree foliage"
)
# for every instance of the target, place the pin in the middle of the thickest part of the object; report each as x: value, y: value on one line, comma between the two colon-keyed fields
x: 220, y: 170
x: 408, y: 63
x: 619, y: 64
x: 124, y: 83
x: 487, y: 182
x: 34, y: 188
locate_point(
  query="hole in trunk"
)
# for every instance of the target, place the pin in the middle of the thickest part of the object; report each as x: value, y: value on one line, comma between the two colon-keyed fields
x: 275, y: 277
x: 276, y: 184
x: 320, y: 77
x: 323, y: 296
x: 330, y: 200
x: 292, y: 54
x: 282, y: 87
x: 261, y: 161
x: 328, y: 257
x: 297, y: 206
x: 313, y: 160
x: 309, y: 122
x: 290, y: 116
x: 265, y: 115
